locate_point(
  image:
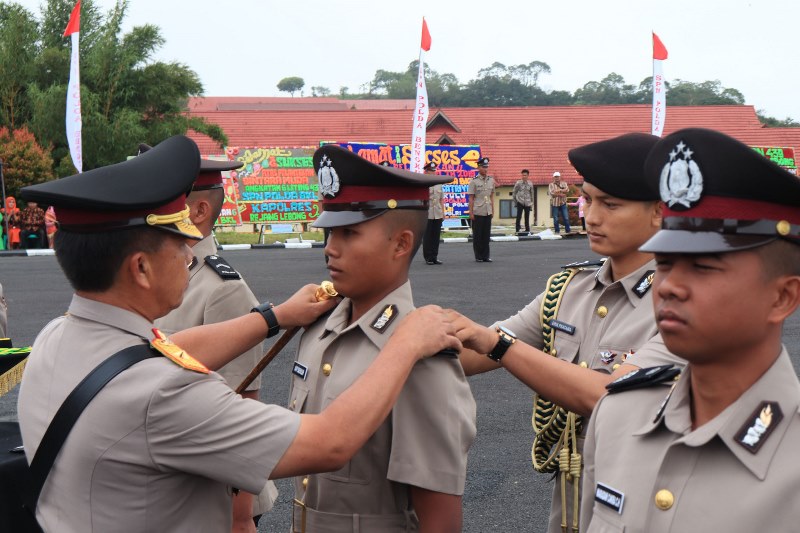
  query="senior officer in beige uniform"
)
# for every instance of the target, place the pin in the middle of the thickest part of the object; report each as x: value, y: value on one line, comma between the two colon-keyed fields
x: 411, y: 472
x: 217, y: 292
x: 594, y: 321
x: 481, y: 204
x: 161, y: 445
x: 719, y: 451
x: 433, y: 230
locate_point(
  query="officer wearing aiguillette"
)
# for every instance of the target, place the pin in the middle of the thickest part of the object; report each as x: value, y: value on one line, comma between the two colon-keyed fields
x: 718, y: 452
x: 481, y: 204
x: 216, y: 293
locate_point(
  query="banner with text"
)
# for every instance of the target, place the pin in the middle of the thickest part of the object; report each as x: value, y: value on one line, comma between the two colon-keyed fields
x: 780, y: 156
x: 460, y: 162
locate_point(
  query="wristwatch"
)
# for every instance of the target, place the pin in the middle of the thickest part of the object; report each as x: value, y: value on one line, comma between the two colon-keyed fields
x: 505, y: 338
x: 269, y: 317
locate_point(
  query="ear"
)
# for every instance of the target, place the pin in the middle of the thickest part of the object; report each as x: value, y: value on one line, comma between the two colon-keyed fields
x: 200, y: 211
x: 139, y: 268
x: 787, y: 300
x: 657, y: 214
x: 403, y: 243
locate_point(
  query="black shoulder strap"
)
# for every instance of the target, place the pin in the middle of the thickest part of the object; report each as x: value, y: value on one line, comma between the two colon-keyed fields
x: 71, y: 409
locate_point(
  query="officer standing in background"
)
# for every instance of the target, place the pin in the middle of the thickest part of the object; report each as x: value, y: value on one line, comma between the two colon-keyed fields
x: 718, y: 452
x: 410, y: 474
x: 593, y: 322
x: 523, y: 198
x: 160, y: 447
x: 216, y: 293
x: 433, y: 231
x: 481, y: 204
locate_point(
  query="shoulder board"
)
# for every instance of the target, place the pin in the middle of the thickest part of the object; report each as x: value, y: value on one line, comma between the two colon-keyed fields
x: 644, y: 377
x: 586, y: 264
x: 175, y: 353
x: 222, y: 268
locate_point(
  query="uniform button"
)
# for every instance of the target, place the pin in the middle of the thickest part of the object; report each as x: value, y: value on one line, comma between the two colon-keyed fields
x: 305, y: 482
x: 294, y: 403
x: 664, y: 499
x: 602, y: 311
x: 553, y: 352
x: 583, y: 364
x: 326, y: 369
x: 616, y: 366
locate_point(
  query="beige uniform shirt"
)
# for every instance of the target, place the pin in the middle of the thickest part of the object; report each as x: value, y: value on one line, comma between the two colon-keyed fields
x: 435, y: 196
x: 481, y: 190
x: 423, y: 442
x: 210, y: 299
x: 737, y: 473
x: 523, y: 192
x: 609, y: 319
x: 3, y: 314
x: 158, y: 448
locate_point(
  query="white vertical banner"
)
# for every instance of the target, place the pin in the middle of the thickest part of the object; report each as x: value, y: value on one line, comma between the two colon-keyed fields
x: 420, y: 108
x: 73, y: 116
x: 659, y: 88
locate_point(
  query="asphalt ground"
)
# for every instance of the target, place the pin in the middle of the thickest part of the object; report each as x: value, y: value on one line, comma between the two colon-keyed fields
x: 503, y: 493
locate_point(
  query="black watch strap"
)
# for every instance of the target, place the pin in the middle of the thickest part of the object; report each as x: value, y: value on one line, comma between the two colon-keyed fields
x: 504, y: 342
x: 269, y: 317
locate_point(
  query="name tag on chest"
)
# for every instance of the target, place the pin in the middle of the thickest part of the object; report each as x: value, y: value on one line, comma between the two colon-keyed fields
x: 300, y: 370
x: 609, y: 497
x: 562, y: 326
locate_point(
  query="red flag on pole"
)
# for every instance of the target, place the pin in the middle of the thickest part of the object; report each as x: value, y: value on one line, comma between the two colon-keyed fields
x: 659, y: 50
x: 74, y: 24
x: 426, y: 36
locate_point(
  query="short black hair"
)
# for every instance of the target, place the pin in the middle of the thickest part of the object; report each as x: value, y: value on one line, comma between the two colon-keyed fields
x: 780, y: 258
x: 91, y: 261
x: 413, y: 219
x: 525, y: 171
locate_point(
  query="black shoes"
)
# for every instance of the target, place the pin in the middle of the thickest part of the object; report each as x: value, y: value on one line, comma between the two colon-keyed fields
x: 488, y: 260
x: 434, y: 262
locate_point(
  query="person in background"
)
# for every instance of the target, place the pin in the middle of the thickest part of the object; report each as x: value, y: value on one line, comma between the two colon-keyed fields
x: 523, y: 198
x: 481, y: 205
x: 3, y: 314
x: 11, y: 211
x: 51, y: 225
x: 433, y: 231
x: 580, y: 203
x: 718, y: 450
x: 558, y: 201
x: 32, y: 224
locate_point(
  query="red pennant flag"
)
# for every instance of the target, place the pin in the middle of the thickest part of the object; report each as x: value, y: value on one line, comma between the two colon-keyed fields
x: 659, y: 50
x: 426, y: 36
x: 74, y: 25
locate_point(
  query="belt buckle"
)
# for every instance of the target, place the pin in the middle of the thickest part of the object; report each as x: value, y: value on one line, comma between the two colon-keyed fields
x: 296, y: 502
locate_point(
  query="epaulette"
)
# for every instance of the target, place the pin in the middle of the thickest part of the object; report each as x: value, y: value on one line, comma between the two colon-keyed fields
x: 644, y: 377
x: 586, y: 264
x: 224, y: 270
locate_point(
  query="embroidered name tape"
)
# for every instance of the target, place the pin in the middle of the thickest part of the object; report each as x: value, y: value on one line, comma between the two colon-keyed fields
x: 609, y: 497
x: 300, y: 370
x: 562, y: 326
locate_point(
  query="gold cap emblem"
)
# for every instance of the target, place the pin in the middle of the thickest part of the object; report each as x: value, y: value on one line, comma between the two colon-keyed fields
x: 783, y: 228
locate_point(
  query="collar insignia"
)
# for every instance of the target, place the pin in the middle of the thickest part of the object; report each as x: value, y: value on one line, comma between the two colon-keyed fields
x: 644, y: 283
x: 759, y: 426
x: 388, y: 314
x: 328, y: 178
x: 681, y: 181
x: 175, y: 353
x: 664, y: 403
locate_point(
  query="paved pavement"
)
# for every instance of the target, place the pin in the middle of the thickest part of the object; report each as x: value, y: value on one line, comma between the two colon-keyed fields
x: 502, y: 493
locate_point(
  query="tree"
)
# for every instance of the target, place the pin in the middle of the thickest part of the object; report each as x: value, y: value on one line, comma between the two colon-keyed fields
x: 24, y: 161
x: 772, y: 122
x: 318, y: 90
x: 705, y: 93
x: 609, y: 91
x: 291, y: 84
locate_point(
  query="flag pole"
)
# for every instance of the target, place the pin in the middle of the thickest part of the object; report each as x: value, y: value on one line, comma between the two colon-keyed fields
x: 5, y: 206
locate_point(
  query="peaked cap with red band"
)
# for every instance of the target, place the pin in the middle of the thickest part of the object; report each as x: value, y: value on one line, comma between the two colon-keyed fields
x: 354, y: 190
x: 149, y: 191
x: 720, y: 195
x: 210, y: 175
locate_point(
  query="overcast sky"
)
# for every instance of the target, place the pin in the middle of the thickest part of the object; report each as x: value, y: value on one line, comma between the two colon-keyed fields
x: 244, y: 47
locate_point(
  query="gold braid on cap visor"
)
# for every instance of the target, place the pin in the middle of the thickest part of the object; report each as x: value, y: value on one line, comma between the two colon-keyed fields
x: 163, y: 220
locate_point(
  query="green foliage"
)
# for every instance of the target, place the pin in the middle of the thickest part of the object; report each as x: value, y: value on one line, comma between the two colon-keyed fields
x: 291, y: 85
x: 126, y: 97
x: 24, y: 161
x: 772, y: 122
x: 319, y: 90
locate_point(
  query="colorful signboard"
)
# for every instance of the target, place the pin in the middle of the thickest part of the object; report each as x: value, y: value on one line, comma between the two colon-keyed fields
x: 780, y: 156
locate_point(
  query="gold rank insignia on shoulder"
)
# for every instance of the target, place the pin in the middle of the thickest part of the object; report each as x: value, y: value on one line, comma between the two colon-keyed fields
x: 385, y: 318
x: 175, y: 353
x: 759, y: 426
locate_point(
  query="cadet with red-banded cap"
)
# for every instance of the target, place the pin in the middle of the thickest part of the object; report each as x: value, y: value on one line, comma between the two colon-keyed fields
x: 163, y: 444
x: 410, y: 474
x: 433, y: 231
x: 481, y: 206
x: 594, y: 322
x: 718, y: 450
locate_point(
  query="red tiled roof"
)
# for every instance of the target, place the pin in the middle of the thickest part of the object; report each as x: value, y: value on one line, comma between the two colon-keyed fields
x: 536, y: 138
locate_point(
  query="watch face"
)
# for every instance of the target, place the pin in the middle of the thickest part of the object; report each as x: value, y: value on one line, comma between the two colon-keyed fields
x: 507, y: 331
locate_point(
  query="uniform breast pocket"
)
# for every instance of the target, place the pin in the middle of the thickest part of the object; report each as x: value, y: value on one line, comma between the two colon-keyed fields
x: 608, y: 358
x: 567, y: 347
x: 297, y: 400
x: 359, y: 469
x: 604, y: 521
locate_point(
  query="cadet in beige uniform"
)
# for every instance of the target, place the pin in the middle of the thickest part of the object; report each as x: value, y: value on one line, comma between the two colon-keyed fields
x: 412, y: 470
x: 595, y: 316
x: 718, y: 452
x: 161, y: 445
x: 481, y: 204
x: 433, y: 231
x: 217, y: 292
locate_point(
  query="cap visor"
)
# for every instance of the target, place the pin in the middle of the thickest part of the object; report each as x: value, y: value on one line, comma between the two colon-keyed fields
x: 333, y: 219
x: 183, y: 229
x: 701, y: 242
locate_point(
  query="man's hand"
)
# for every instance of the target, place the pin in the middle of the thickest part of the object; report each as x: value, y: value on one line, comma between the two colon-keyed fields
x: 302, y: 308
x: 425, y: 332
x: 472, y: 335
